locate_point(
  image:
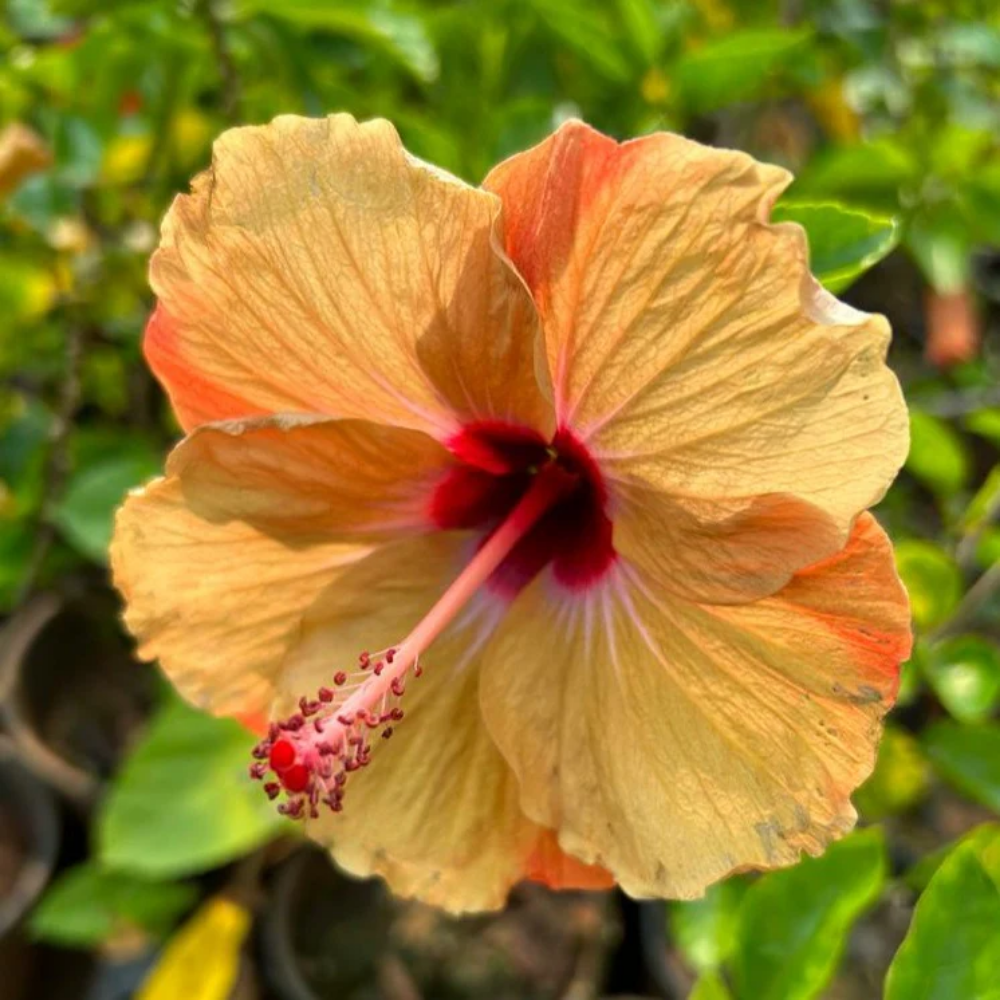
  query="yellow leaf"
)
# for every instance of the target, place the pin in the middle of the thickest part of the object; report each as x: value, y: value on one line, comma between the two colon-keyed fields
x: 717, y: 14
x: 201, y: 961
x: 125, y: 158
x: 191, y: 134
x: 655, y: 87
x: 27, y: 290
x: 837, y: 117
x: 22, y: 153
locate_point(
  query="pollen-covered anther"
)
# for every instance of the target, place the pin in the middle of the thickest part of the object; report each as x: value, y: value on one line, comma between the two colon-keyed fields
x: 309, y: 755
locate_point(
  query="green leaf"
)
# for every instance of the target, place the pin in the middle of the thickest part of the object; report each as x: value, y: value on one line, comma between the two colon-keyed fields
x: 932, y: 579
x: 184, y: 802
x: 900, y: 780
x: 985, y: 504
x: 86, y: 905
x: 870, y: 171
x: 400, y: 34
x: 643, y: 27
x: 86, y: 512
x: 988, y: 549
x: 965, y: 674
x: 15, y: 554
x: 705, y: 929
x: 710, y: 986
x: 36, y: 20
x: 941, y: 244
x: 910, y: 683
x: 25, y: 429
x: 952, y: 950
x: 970, y: 45
x: 843, y: 242
x: 586, y: 30
x: 939, y: 456
x: 985, y: 423
x: 737, y: 65
x: 794, y: 923
x: 969, y: 757
x: 919, y: 875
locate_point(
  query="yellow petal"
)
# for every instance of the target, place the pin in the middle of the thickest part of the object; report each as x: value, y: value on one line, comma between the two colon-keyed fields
x: 219, y: 561
x: 317, y: 267
x: 688, y: 344
x: 674, y: 742
x: 435, y: 813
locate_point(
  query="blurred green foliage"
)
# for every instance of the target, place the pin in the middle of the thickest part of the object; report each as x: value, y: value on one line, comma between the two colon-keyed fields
x: 88, y: 905
x: 183, y: 802
x: 889, y: 114
x: 934, y: 962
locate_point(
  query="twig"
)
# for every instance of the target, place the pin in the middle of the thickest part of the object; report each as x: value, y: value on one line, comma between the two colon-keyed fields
x: 395, y: 980
x: 57, y: 462
x: 965, y: 553
x: 959, y: 403
x: 231, y: 90
x: 977, y: 595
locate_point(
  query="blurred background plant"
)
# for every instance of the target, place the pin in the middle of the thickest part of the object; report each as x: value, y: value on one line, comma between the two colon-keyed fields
x: 159, y: 857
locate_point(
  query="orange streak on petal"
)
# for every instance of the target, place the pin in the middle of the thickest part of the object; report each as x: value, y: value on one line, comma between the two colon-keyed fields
x: 549, y: 864
x: 877, y: 651
x: 547, y: 192
x: 196, y: 399
x: 551, y: 186
x: 256, y: 722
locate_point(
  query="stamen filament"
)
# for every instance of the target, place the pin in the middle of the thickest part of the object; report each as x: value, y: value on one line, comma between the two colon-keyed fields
x: 301, y: 750
x: 546, y: 488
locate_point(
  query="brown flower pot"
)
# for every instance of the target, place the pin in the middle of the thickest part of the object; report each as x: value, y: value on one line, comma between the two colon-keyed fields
x: 953, y: 328
x: 322, y: 936
x: 29, y: 838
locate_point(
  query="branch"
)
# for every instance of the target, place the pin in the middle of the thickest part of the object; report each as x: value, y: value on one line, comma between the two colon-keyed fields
x: 977, y: 596
x: 231, y: 90
x: 965, y: 553
x: 57, y: 462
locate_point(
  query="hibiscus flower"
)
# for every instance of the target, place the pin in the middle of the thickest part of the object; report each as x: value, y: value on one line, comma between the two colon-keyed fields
x: 581, y: 457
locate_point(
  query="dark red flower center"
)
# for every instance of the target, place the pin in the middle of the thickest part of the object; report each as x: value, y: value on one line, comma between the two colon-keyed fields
x: 496, y: 464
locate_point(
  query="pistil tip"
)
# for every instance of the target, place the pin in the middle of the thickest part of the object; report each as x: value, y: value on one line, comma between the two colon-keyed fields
x: 308, y: 764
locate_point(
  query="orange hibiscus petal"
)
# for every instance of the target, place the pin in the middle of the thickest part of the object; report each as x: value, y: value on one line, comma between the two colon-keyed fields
x: 673, y: 743
x: 327, y: 479
x: 219, y: 561
x: 689, y: 346
x: 724, y: 551
x: 317, y: 267
x: 436, y: 812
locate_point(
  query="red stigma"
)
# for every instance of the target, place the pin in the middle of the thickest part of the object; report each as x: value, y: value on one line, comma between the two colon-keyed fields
x: 311, y: 752
x: 282, y: 756
x: 296, y: 778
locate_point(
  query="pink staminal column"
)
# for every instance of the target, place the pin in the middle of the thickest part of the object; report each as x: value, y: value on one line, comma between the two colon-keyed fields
x: 311, y: 753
